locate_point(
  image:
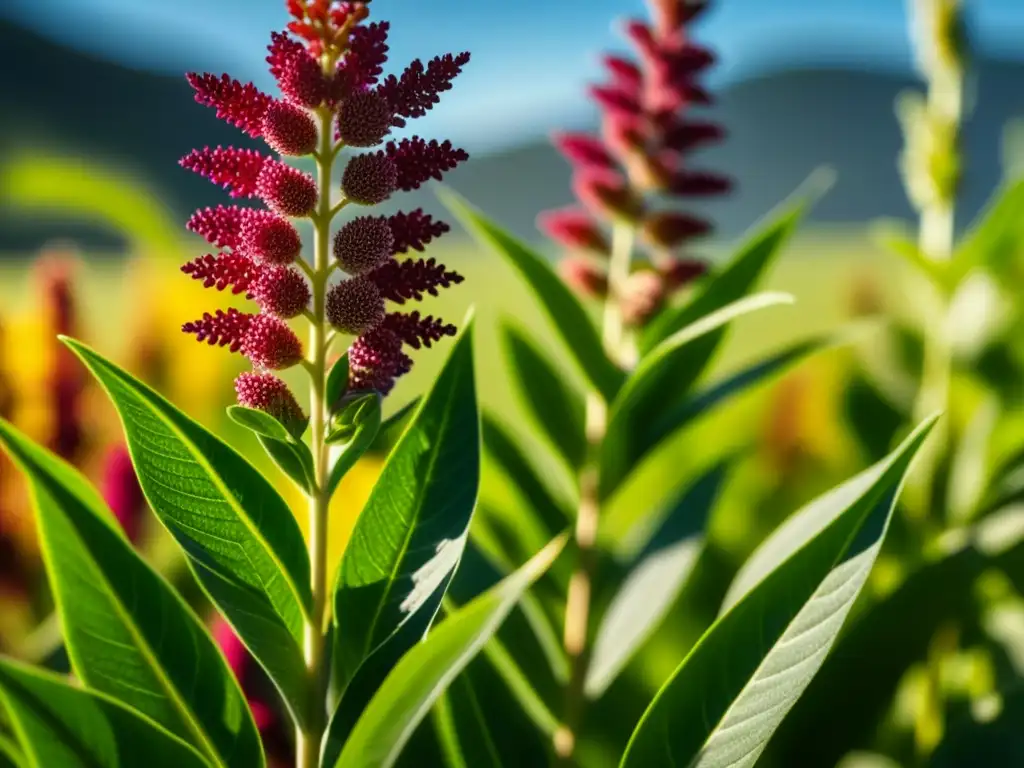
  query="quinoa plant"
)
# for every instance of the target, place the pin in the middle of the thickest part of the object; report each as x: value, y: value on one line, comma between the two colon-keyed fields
x: 360, y: 658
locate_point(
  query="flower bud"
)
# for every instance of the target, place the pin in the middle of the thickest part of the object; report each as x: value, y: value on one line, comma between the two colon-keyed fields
x: 269, y: 238
x: 286, y: 190
x: 364, y: 119
x: 355, y: 305
x: 265, y: 392
x: 574, y: 228
x: 270, y: 343
x: 369, y: 179
x: 607, y: 193
x: 584, y: 276
x: 678, y: 273
x: 363, y: 244
x: 667, y: 229
x: 281, y: 291
x: 289, y: 129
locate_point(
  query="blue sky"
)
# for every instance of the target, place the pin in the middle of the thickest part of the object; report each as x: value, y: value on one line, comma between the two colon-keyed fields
x: 529, y: 66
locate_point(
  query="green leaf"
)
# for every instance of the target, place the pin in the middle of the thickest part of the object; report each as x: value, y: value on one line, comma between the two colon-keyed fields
x: 662, y: 379
x: 566, y: 313
x: 61, y: 726
x: 259, y: 422
x: 337, y: 382
x: 292, y: 458
x: 787, y: 606
x: 739, y: 276
x: 128, y: 634
x: 425, y: 672
x: 557, y: 408
x: 995, y: 237
x: 462, y: 728
x: 409, y: 538
x: 359, y: 412
x: 10, y: 753
x: 656, y: 577
x: 390, y: 427
x: 241, y: 540
x: 895, y: 237
x: 551, y: 513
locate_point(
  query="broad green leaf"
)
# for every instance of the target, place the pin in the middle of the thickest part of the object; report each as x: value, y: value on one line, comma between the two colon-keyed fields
x: 551, y: 513
x: 894, y: 633
x: 995, y: 237
x: 127, y: 632
x: 11, y: 755
x: 462, y: 728
x: 61, y: 726
x: 241, y: 540
x: 661, y: 380
x: 426, y: 671
x: 409, y: 538
x: 566, y: 313
x: 337, y: 382
x: 655, y: 578
x: 742, y: 272
x: 787, y: 607
x: 557, y: 408
x: 292, y: 458
x: 392, y: 426
x: 259, y: 422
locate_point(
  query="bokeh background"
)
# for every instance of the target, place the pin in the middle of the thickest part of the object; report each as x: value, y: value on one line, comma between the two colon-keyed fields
x: 95, y: 113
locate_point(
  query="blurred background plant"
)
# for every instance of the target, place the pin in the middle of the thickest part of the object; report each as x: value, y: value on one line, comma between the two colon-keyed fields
x: 930, y: 667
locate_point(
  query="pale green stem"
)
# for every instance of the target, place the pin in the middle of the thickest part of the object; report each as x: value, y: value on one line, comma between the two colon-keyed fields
x: 578, y: 600
x: 308, y: 739
x: 937, y: 240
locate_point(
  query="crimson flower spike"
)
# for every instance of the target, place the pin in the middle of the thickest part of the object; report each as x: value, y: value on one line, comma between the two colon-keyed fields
x: 641, y: 154
x: 335, y: 108
x: 334, y: 92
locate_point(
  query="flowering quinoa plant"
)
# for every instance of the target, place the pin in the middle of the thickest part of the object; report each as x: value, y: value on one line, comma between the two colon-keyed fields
x: 402, y: 654
x: 353, y: 656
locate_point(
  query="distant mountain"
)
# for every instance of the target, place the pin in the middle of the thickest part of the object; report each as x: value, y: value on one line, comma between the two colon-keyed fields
x: 781, y: 127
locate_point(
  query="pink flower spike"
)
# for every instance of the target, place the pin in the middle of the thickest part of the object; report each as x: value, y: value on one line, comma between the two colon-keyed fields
x: 236, y: 170
x: 605, y: 193
x: 574, y: 228
x: 625, y: 74
x: 417, y: 331
x: 281, y: 291
x: 375, y: 360
x: 369, y: 179
x: 698, y: 183
x: 220, y: 226
x: 363, y: 244
x: 355, y: 306
x: 298, y: 73
x: 418, y: 161
x: 289, y: 130
x: 269, y: 238
x: 410, y: 279
x: 287, y: 190
x: 584, y: 150
x: 616, y: 99
x: 266, y: 392
x: 364, y: 61
x: 270, y: 344
x: 240, y: 105
x: 364, y: 119
x: 419, y: 87
x: 670, y: 228
x: 679, y: 273
x: 414, y: 230
x: 223, y: 270
x: 225, y: 329
x: 584, y: 276
x: 684, y: 136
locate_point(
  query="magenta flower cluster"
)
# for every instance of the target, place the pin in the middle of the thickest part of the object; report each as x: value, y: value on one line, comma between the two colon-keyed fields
x: 641, y: 155
x: 330, y: 59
